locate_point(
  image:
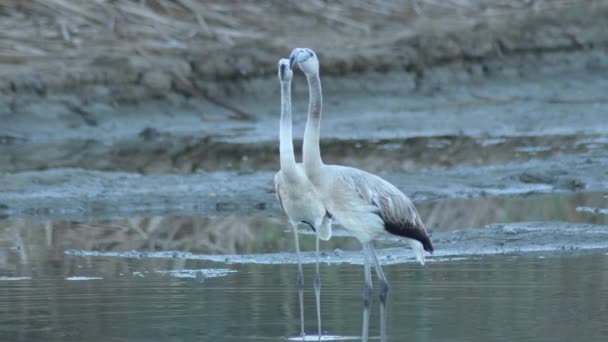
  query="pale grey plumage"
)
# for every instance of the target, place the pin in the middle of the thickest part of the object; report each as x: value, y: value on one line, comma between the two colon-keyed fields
x: 369, y: 203
x: 296, y: 195
x: 365, y: 204
x: 299, y: 200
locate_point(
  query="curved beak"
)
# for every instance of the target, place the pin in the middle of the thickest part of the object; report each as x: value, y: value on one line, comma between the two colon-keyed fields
x: 293, y: 58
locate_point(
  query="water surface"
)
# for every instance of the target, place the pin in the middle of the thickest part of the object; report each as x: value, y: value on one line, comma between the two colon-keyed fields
x: 51, y: 290
x: 493, y: 298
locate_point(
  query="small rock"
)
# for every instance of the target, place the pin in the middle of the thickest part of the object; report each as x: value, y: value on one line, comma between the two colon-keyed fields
x: 509, y: 230
x: 158, y: 82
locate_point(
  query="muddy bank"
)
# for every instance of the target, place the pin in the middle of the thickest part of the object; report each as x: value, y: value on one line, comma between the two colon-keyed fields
x: 104, y: 56
x: 263, y: 233
x: 166, y: 154
x: 74, y: 193
x: 542, y: 132
x: 479, y: 121
x: 541, y: 238
x: 519, y: 110
x: 526, y: 73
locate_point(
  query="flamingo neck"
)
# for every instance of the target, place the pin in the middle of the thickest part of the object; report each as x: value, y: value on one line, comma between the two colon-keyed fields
x: 311, y: 150
x: 287, y: 158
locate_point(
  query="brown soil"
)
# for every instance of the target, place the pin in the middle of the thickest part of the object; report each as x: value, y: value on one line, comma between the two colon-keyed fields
x: 127, y: 51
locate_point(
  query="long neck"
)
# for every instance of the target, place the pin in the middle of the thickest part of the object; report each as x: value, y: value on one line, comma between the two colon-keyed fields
x: 288, y: 160
x: 311, y: 150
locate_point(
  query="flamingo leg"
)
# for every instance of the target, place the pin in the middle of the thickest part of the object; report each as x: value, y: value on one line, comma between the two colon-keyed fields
x: 384, y: 289
x: 299, y: 278
x: 367, y: 294
x: 317, y: 288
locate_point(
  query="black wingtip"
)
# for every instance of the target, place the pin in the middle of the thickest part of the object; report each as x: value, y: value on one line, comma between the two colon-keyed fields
x: 411, y: 231
x: 427, y: 245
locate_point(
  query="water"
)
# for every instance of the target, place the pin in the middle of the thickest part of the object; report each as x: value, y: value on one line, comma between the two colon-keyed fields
x: 479, y: 299
x: 51, y: 290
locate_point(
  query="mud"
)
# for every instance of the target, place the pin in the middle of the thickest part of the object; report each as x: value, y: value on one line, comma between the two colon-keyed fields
x: 378, y: 41
x: 540, y: 132
x: 515, y: 114
x: 522, y: 74
x: 75, y: 193
x: 481, y: 121
x: 262, y: 234
x: 540, y: 238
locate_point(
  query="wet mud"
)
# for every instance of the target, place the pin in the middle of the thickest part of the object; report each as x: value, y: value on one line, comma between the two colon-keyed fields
x: 518, y: 126
x: 541, y: 224
x: 466, y: 119
x: 536, y: 238
x: 78, y: 194
x: 542, y: 132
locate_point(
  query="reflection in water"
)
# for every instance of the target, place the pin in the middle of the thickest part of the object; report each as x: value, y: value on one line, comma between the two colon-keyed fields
x: 248, y: 234
x: 482, y: 299
x: 470, y: 213
x: 46, y: 294
x: 197, y: 234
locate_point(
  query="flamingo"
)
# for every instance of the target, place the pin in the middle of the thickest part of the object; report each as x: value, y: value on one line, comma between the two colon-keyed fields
x: 363, y: 203
x: 296, y: 195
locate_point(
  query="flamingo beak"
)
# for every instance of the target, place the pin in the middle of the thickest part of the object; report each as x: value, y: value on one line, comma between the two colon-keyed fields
x: 293, y: 58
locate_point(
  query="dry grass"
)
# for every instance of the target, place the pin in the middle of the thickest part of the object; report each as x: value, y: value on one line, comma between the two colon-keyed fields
x: 39, y: 29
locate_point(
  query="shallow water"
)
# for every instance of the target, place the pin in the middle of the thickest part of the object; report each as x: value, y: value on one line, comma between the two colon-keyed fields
x: 493, y: 298
x: 257, y: 234
x: 53, y: 289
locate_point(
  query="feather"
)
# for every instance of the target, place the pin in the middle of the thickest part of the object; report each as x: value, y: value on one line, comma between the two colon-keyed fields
x: 397, y: 212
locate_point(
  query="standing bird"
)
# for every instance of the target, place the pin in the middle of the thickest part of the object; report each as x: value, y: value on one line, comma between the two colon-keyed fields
x: 365, y: 204
x: 296, y: 195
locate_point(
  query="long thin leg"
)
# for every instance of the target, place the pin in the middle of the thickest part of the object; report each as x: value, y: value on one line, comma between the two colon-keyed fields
x: 317, y: 288
x: 299, y: 278
x: 384, y: 289
x: 367, y: 293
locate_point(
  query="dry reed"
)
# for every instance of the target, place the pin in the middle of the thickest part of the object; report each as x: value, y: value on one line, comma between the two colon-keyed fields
x: 37, y: 29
